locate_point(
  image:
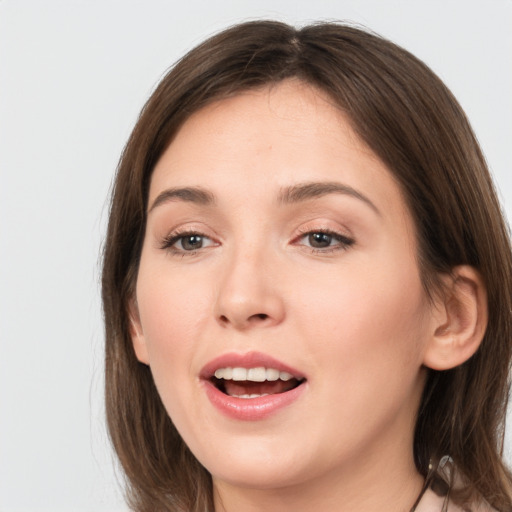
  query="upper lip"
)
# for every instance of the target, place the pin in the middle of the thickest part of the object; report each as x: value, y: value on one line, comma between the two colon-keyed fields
x: 247, y: 360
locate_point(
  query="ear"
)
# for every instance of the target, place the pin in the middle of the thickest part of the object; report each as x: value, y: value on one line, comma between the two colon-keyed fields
x: 459, y: 320
x: 136, y: 333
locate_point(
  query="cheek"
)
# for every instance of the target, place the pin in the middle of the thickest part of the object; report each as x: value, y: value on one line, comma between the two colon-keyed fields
x: 171, y: 305
x: 174, y: 312
x: 367, y: 318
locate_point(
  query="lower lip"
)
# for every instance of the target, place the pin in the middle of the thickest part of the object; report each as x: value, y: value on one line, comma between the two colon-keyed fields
x: 251, y: 409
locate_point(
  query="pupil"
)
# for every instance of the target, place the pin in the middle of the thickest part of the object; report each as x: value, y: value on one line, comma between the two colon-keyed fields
x: 192, y: 242
x: 320, y: 240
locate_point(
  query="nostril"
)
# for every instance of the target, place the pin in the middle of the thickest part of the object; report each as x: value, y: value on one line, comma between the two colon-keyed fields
x: 244, y: 321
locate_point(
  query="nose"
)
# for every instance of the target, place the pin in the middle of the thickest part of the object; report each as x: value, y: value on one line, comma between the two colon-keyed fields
x: 248, y: 295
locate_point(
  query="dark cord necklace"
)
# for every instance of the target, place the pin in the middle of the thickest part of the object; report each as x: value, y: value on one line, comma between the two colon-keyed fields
x: 422, y: 492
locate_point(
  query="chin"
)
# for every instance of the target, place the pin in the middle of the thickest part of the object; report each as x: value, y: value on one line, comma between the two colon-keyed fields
x: 263, y: 478
x: 256, y: 465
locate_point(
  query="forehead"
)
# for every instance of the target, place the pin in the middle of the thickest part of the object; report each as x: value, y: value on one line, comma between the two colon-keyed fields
x: 294, y: 108
x: 282, y: 116
x: 275, y: 136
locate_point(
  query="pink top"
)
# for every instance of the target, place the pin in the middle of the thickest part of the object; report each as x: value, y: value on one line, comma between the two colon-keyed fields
x: 431, y: 502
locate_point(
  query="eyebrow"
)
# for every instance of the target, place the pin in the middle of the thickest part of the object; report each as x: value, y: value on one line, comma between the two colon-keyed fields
x: 288, y: 195
x: 188, y: 194
x: 306, y: 191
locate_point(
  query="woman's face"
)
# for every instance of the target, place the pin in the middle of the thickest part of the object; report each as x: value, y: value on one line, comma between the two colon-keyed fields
x: 279, y: 251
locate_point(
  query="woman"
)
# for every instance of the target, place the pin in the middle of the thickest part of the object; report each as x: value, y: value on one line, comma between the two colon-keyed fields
x: 306, y: 285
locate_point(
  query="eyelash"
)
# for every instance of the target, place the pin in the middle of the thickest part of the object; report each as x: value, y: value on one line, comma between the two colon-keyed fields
x: 343, y: 244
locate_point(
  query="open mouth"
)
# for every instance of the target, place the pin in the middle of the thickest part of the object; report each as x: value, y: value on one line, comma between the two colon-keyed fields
x: 254, y: 382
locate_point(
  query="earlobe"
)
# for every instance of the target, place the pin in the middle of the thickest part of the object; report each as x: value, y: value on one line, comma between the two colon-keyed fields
x: 459, y: 320
x: 137, y: 336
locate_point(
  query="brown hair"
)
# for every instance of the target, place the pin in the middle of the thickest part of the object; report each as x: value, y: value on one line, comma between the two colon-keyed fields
x: 410, y: 119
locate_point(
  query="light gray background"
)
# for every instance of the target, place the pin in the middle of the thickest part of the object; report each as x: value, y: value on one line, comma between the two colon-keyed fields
x: 73, y: 76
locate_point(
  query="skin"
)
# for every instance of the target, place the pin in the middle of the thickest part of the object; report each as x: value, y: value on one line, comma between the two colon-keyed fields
x: 352, y: 317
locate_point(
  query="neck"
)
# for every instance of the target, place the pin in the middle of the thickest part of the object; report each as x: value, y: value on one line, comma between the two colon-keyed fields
x: 369, y: 484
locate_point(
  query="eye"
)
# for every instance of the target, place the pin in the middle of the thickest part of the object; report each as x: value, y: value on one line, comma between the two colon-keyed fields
x: 186, y: 242
x: 325, y: 240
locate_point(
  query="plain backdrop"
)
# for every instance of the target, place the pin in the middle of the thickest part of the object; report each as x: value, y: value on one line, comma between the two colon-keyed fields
x: 73, y: 76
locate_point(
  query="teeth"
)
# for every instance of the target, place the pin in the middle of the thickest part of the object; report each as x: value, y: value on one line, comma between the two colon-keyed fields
x: 239, y: 374
x: 259, y: 374
x: 254, y: 395
x: 272, y: 374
